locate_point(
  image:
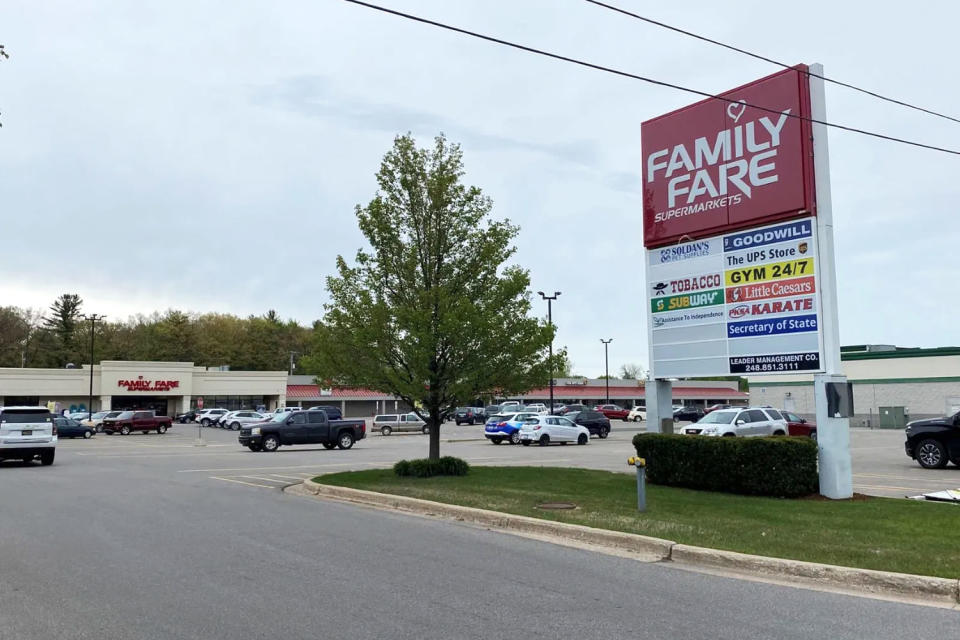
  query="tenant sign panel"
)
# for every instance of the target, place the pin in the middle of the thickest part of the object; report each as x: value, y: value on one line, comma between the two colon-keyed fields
x: 745, y: 302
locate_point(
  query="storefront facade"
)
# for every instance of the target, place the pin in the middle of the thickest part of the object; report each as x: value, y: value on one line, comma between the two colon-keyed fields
x: 165, y: 387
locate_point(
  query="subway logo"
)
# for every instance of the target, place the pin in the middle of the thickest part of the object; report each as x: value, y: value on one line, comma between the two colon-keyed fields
x: 687, y: 301
x: 765, y: 272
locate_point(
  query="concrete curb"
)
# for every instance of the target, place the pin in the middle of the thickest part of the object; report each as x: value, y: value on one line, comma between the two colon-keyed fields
x: 653, y: 549
x: 862, y: 581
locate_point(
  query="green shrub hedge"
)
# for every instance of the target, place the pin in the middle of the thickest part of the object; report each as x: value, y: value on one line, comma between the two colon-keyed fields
x: 426, y: 468
x: 779, y: 466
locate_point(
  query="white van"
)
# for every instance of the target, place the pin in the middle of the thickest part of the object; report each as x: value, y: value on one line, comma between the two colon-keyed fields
x: 27, y: 433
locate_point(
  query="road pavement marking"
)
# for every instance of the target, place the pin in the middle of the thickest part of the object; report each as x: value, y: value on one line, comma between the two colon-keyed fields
x: 249, y: 484
x: 299, y: 466
x: 264, y: 479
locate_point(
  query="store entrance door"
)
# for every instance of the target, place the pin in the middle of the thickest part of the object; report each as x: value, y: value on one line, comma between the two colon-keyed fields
x: 157, y: 404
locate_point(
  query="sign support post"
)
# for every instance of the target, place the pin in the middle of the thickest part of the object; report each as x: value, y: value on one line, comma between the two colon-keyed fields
x: 833, y: 432
x: 659, y: 404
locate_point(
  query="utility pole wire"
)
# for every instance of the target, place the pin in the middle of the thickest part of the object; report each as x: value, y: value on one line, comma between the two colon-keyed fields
x: 770, y: 60
x: 627, y: 74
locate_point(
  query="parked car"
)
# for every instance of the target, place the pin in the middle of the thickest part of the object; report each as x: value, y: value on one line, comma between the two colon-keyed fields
x: 208, y: 417
x: 96, y: 420
x: 546, y: 429
x: 334, y: 413
x: 934, y: 442
x: 797, y: 426
x: 388, y: 423
x: 594, y: 421
x: 687, y: 414
x: 637, y: 414
x: 466, y: 415
x: 613, y: 411
x: 186, y: 416
x: 537, y: 407
x: 27, y: 433
x: 558, y: 408
x: 77, y: 415
x: 490, y: 410
x: 748, y: 422
x: 302, y: 427
x: 505, y: 426
x: 236, y: 419
x: 70, y: 428
x: 716, y: 407
x: 129, y: 421
x: 509, y: 405
x: 570, y: 408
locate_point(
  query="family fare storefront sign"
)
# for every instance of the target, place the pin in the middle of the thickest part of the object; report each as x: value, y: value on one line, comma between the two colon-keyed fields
x: 732, y: 251
x: 140, y: 384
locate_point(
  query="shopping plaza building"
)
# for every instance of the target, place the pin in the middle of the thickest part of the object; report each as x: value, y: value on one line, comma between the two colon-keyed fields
x: 888, y: 382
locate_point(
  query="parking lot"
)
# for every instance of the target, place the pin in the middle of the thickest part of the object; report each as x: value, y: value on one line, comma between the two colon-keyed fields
x: 879, y: 464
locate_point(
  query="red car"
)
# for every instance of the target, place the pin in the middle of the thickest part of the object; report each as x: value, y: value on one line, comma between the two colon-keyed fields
x: 798, y: 426
x: 612, y: 411
x: 716, y: 407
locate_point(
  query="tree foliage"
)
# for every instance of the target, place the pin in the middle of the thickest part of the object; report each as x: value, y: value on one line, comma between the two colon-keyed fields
x: 256, y: 343
x: 631, y: 371
x: 431, y: 313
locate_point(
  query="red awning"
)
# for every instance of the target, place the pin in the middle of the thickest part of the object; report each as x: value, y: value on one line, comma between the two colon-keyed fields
x: 312, y: 392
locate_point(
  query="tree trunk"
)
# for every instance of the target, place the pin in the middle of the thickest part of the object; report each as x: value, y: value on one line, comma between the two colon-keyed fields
x: 434, y: 432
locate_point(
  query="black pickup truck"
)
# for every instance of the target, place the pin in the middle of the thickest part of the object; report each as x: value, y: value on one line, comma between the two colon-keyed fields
x: 302, y: 427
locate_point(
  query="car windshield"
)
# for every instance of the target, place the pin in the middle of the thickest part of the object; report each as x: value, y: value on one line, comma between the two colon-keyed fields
x: 125, y: 415
x: 718, y: 417
x: 100, y: 414
x: 279, y: 417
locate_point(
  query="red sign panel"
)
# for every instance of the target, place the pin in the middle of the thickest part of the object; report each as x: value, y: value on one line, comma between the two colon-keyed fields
x: 148, y: 385
x: 718, y: 166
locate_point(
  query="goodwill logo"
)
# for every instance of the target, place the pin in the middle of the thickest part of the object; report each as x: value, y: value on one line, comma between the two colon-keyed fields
x: 731, y: 166
x: 770, y: 235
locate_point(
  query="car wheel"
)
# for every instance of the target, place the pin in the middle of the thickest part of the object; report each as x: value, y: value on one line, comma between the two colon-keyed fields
x: 458, y: 423
x: 813, y: 434
x: 729, y: 435
x: 625, y: 419
x: 778, y: 432
x: 385, y: 431
x: 99, y: 428
x: 496, y: 440
x: 254, y: 447
x: 204, y: 423
x: 525, y: 443
x: 271, y: 443
x: 46, y: 457
x: 515, y: 438
x: 425, y: 429
x: 235, y: 426
x: 345, y: 440
x: 544, y: 440
x: 87, y: 434
x: 604, y: 432
x: 162, y: 429
x: 931, y: 454
x: 583, y: 439
x: 124, y: 430
x: 329, y: 445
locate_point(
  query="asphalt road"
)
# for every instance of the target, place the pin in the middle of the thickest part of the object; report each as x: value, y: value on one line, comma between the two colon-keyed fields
x: 147, y: 536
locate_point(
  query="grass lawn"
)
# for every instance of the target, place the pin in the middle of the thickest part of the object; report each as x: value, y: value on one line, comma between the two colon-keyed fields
x: 877, y: 533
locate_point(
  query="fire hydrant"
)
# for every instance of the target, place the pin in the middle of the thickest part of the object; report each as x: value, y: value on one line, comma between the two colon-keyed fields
x: 641, y: 465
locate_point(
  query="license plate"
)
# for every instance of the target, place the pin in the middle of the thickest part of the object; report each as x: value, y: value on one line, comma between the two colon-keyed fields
x: 692, y: 432
x: 26, y: 433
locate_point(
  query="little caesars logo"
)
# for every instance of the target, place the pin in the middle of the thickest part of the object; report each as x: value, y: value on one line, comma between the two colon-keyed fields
x: 725, y: 169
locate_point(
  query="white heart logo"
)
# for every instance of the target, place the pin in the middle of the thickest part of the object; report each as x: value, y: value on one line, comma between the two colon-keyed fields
x: 736, y: 109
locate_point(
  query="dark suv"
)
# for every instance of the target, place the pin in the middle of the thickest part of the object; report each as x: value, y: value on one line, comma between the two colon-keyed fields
x: 934, y: 442
x: 466, y: 415
x: 595, y: 422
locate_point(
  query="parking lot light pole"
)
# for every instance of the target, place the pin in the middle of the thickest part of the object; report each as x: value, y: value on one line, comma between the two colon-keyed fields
x: 606, y: 364
x: 93, y: 323
x: 550, y: 300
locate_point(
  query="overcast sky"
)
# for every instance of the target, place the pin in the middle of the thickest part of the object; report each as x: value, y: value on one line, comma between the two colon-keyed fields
x: 207, y: 156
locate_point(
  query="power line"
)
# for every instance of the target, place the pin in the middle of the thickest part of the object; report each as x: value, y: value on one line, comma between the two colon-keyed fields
x: 770, y: 60
x: 627, y: 74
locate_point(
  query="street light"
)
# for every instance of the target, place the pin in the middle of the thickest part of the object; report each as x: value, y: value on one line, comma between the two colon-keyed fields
x: 93, y: 321
x: 550, y: 300
x: 606, y: 364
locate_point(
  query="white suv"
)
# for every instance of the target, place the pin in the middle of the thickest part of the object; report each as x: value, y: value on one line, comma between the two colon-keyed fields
x: 207, y: 417
x: 27, y: 433
x: 751, y: 421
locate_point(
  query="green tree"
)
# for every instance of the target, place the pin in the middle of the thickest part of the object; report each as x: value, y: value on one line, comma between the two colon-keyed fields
x: 61, y: 325
x: 431, y: 314
x: 632, y: 371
